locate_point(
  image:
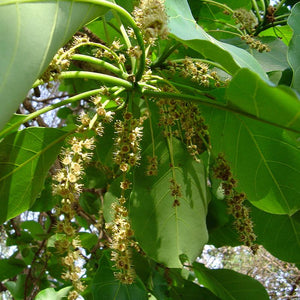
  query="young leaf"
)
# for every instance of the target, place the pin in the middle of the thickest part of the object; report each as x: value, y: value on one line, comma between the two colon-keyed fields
x: 164, y: 230
x: 25, y: 158
x: 28, y: 44
x: 183, y: 27
x: 230, y: 285
x: 294, y: 48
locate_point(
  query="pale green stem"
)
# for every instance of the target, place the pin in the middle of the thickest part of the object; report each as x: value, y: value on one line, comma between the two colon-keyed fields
x: 282, y: 16
x: 280, y: 4
x: 122, y: 12
x: 263, y: 5
x: 99, y: 62
x: 255, y: 6
x: 221, y: 5
x: 127, y: 41
x: 49, y: 108
x: 96, y: 76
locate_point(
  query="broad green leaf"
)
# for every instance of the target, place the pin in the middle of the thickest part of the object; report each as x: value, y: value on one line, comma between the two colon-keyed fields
x: 166, y: 231
x: 294, y: 47
x: 35, y: 228
x: 280, y: 235
x: 25, y: 158
x: 183, y: 27
x: 9, y: 125
x: 16, y: 288
x: 284, y: 32
x: 248, y: 94
x: 29, y: 43
x: 52, y: 294
x: 230, y: 285
x: 220, y: 225
x: 264, y: 160
x: 191, y: 291
x: 106, y: 286
x: 274, y: 60
x: 263, y: 157
x: 88, y: 240
x: 212, y: 17
x: 10, y: 268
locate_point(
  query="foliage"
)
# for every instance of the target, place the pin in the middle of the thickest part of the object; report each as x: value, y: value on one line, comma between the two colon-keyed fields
x: 178, y: 125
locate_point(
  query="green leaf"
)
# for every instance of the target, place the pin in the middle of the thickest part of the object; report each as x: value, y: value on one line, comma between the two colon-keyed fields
x: 29, y: 44
x: 263, y: 157
x: 14, y: 119
x: 277, y: 105
x: 88, y: 240
x: 274, y: 60
x: 52, y: 294
x: 16, y: 288
x: 191, y: 291
x: 164, y: 230
x: 34, y: 228
x: 294, y: 48
x: 25, y: 158
x: 284, y: 32
x: 106, y: 286
x: 183, y: 26
x: 230, y: 285
x: 10, y: 268
x: 279, y: 234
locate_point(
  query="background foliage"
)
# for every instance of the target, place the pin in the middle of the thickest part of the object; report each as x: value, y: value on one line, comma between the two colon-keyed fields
x: 132, y: 137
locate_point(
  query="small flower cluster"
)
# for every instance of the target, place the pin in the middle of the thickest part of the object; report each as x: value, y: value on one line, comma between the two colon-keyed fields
x: 186, y: 122
x: 69, y: 188
x: 175, y: 192
x: 127, y: 155
x: 199, y: 72
x: 57, y: 65
x: 129, y: 134
x: 255, y: 44
x: 152, y: 19
x: 246, y: 18
x: 121, y: 234
x: 152, y: 166
x: 112, y: 53
x: 235, y: 201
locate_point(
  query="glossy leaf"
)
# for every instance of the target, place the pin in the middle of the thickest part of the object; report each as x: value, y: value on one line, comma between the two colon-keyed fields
x: 230, y: 285
x: 279, y: 234
x: 29, y: 43
x: 277, y: 105
x: 294, y: 48
x: 183, y: 27
x: 106, y: 286
x: 164, y: 230
x: 263, y: 157
x: 25, y: 158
